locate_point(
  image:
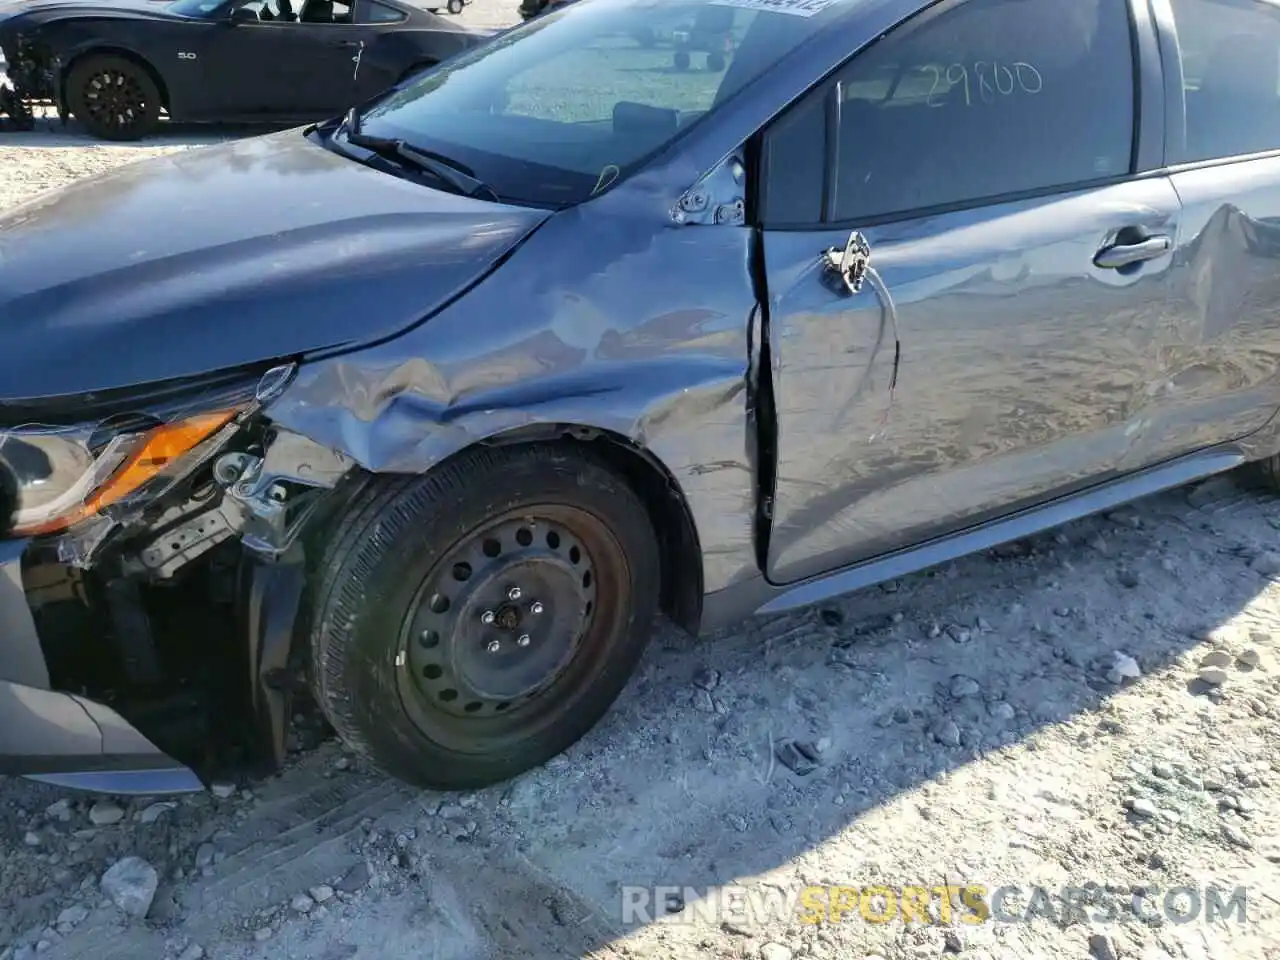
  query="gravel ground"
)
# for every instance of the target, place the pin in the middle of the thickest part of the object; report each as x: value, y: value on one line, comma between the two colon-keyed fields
x: 1089, y: 716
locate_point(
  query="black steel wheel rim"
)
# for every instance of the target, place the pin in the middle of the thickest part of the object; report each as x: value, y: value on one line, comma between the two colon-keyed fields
x: 503, y: 624
x: 114, y: 99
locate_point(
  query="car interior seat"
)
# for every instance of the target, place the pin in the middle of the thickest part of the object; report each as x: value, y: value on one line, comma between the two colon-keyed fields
x: 711, y: 25
x: 286, y: 13
x: 756, y: 50
x: 1237, y: 107
x: 318, y: 11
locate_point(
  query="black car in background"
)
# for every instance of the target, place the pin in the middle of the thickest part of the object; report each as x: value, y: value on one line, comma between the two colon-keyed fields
x: 529, y: 9
x: 117, y: 66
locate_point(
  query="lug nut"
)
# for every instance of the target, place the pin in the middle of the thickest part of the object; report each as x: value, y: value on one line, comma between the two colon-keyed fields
x: 536, y: 607
x: 523, y: 641
x: 513, y: 593
x: 494, y: 646
x: 487, y: 617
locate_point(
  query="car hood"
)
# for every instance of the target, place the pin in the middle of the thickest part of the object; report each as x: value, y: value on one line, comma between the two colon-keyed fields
x: 213, y: 258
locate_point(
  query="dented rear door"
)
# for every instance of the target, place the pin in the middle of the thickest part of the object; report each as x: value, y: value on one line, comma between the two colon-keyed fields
x: 1018, y: 276
x: 1219, y: 377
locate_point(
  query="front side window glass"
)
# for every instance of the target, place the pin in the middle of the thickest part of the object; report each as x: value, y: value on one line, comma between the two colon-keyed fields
x: 981, y: 99
x: 380, y: 13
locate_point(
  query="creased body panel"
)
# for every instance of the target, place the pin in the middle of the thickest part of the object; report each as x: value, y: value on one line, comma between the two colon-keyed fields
x: 1225, y: 377
x: 602, y: 320
x: 1024, y: 370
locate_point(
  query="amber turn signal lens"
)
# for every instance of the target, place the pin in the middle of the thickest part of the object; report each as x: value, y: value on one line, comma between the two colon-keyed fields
x: 157, y: 450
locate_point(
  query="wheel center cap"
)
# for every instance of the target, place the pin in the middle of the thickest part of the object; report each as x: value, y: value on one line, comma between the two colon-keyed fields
x: 508, y: 617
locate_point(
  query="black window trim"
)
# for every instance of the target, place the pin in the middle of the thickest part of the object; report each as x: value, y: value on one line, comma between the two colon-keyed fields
x: 1141, y: 30
x: 1176, y: 102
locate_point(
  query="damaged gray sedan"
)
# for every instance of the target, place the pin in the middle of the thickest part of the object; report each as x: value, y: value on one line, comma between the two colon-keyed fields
x: 441, y: 402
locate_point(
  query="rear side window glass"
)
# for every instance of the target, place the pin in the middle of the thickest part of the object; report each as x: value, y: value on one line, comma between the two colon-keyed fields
x: 379, y: 13
x: 1231, y: 77
x: 981, y: 99
x: 325, y: 11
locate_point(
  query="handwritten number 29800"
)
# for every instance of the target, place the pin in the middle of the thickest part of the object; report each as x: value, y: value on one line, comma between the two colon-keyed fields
x: 987, y: 81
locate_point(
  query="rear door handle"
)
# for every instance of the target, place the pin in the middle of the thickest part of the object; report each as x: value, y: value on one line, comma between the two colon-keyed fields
x: 1124, y: 254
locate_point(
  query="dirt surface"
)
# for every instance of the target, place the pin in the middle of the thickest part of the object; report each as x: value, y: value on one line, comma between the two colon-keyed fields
x: 1094, y: 707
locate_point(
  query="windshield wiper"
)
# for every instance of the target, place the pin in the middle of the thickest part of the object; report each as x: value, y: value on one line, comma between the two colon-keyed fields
x: 459, y: 177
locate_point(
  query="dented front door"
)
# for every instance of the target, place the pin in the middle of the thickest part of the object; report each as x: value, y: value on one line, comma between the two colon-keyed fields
x: 1017, y: 249
x: 1024, y: 366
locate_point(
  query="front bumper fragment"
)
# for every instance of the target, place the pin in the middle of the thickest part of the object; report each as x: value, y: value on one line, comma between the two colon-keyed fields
x: 60, y: 738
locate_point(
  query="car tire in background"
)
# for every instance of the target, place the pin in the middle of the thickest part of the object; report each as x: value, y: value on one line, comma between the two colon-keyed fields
x: 1267, y: 473
x: 455, y: 7
x: 113, y: 97
x: 473, y: 623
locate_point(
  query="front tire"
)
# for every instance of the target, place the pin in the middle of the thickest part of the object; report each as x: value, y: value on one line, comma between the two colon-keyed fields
x: 474, y: 623
x: 114, y: 98
x: 455, y: 7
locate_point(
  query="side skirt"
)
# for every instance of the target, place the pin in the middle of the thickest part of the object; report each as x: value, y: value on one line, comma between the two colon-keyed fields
x: 758, y: 596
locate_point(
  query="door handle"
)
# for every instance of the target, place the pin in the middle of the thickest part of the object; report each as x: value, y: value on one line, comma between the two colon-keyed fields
x: 1124, y: 254
x: 349, y: 43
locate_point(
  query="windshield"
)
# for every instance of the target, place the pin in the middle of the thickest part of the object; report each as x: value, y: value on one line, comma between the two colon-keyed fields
x: 568, y: 104
x: 195, y: 8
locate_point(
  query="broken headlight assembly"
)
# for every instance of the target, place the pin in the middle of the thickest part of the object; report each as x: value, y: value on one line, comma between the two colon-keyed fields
x: 158, y: 475
x: 75, y: 470
x: 61, y: 477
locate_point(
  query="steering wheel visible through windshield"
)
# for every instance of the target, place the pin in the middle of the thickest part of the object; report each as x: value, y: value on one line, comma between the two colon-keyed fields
x: 559, y: 109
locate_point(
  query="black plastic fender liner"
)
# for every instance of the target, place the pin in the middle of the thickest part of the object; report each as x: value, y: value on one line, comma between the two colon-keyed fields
x: 270, y: 600
x: 21, y: 658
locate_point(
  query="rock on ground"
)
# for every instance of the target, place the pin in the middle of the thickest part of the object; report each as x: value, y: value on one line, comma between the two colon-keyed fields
x: 131, y: 885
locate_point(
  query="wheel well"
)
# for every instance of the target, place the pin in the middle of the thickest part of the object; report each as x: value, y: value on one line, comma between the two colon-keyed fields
x: 679, y: 546
x: 115, y: 52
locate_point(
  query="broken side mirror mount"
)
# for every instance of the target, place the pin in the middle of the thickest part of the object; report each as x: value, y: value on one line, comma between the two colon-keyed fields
x: 719, y: 197
x: 849, y: 265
